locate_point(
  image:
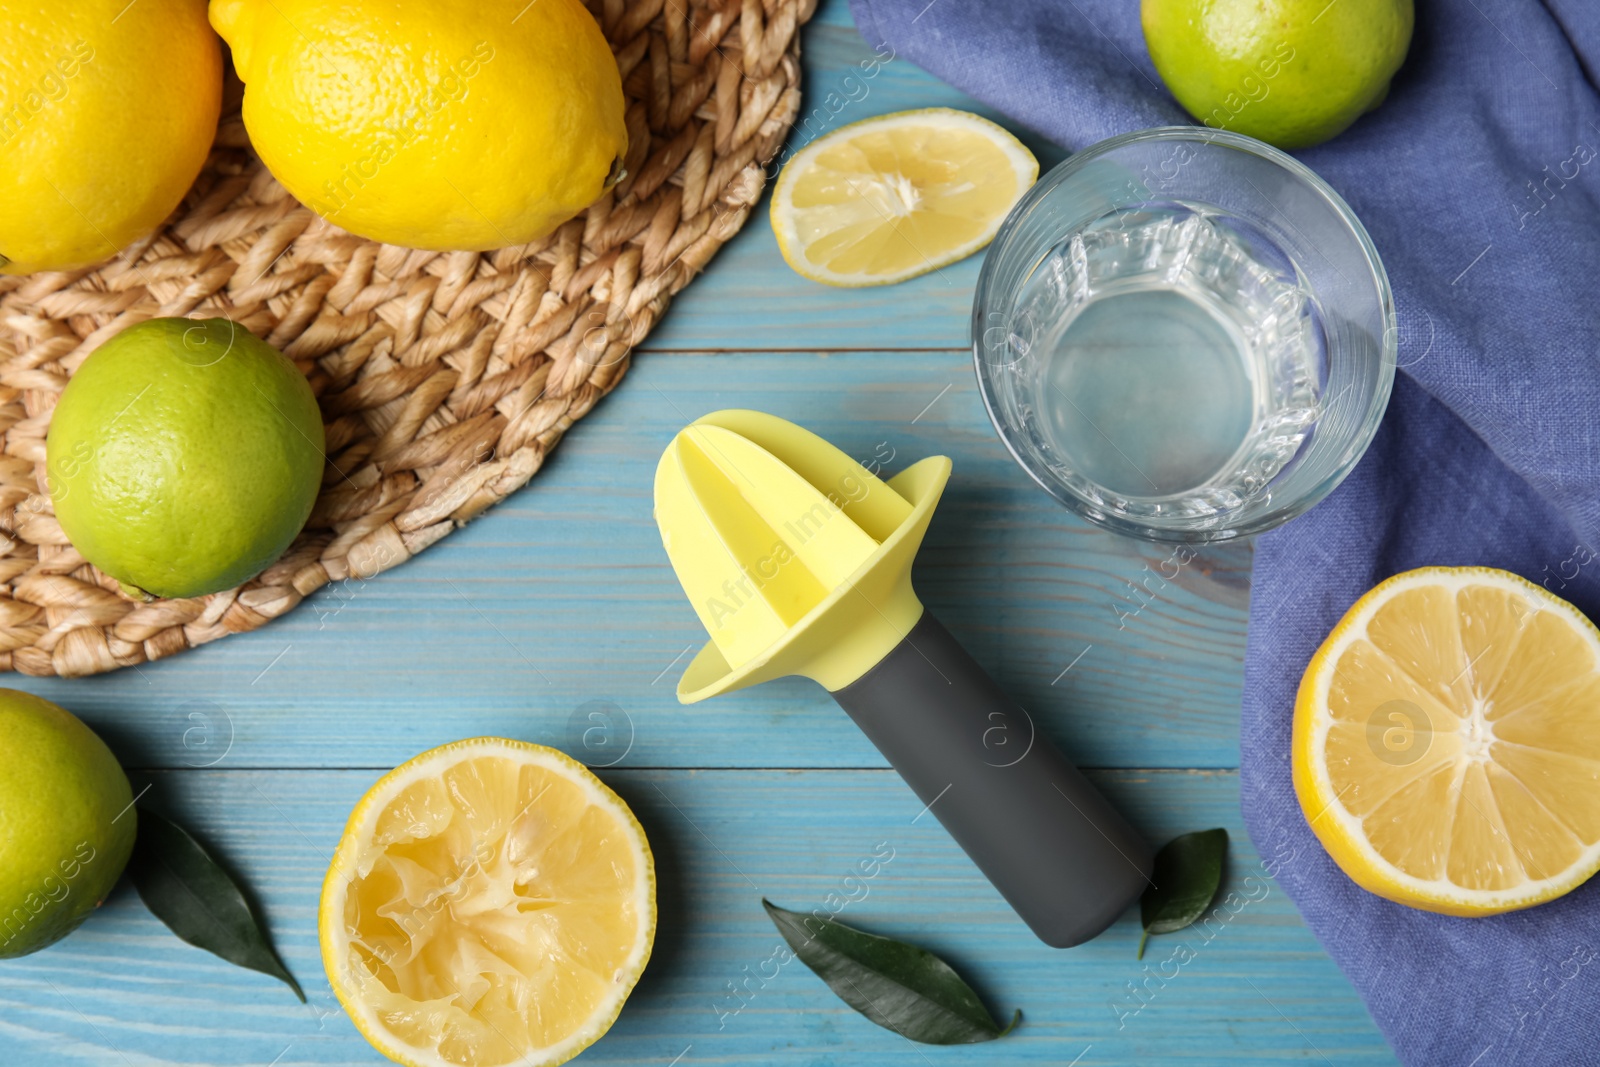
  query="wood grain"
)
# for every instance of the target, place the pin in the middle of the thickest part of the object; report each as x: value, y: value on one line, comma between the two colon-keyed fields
x: 563, y: 595
x: 797, y: 314
x: 559, y: 605
x: 122, y: 990
x: 444, y: 379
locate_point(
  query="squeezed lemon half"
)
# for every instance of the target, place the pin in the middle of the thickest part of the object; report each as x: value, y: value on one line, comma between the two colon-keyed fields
x: 491, y: 902
x: 1447, y: 742
x: 895, y: 196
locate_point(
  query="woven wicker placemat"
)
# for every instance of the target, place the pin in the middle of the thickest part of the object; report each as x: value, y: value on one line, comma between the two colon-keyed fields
x: 444, y: 378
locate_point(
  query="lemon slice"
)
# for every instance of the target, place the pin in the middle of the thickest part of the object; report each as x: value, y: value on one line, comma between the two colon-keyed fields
x: 491, y: 902
x: 892, y: 197
x: 1447, y: 742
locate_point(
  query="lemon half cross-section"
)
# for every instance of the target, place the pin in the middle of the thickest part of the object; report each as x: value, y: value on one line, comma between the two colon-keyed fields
x: 892, y: 197
x: 491, y: 902
x: 1447, y: 742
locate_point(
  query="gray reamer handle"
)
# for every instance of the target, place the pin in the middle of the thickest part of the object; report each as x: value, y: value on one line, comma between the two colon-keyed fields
x: 1051, y: 844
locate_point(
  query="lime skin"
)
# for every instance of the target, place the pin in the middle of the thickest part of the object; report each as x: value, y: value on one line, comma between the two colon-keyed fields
x: 1293, y: 73
x: 184, y: 456
x: 67, y: 823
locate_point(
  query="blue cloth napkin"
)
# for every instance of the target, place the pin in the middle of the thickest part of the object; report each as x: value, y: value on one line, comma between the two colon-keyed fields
x: 1479, y: 180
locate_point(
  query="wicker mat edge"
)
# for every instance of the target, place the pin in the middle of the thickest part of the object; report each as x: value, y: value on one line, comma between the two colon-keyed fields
x: 445, y: 379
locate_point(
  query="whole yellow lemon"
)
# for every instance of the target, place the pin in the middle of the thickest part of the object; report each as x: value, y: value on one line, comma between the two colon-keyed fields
x: 461, y: 124
x: 107, y: 112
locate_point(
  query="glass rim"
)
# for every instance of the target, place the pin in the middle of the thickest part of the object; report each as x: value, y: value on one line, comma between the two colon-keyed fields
x: 1274, y: 515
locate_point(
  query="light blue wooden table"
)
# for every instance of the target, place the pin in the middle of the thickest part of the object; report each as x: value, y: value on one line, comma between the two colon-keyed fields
x: 560, y: 603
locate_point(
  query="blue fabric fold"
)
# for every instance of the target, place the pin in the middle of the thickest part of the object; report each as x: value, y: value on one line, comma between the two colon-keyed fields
x: 1479, y: 180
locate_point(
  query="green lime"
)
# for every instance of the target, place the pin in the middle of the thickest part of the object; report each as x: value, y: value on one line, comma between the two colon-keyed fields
x: 184, y: 456
x: 66, y: 823
x: 1292, y: 73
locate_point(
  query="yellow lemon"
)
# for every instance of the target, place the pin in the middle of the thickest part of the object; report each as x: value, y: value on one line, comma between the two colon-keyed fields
x: 491, y: 902
x: 107, y: 112
x: 1290, y: 72
x: 1447, y: 742
x: 463, y: 124
x: 895, y: 196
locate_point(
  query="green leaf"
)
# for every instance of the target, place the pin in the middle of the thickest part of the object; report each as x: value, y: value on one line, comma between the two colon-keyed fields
x: 1188, y: 872
x: 184, y: 887
x: 898, y: 986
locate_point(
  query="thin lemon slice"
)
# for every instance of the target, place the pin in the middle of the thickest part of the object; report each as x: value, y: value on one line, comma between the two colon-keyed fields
x: 491, y: 902
x: 892, y: 197
x: 1447, y: 742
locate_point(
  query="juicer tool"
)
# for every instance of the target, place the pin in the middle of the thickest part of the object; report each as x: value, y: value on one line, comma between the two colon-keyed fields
x: 798, y: 561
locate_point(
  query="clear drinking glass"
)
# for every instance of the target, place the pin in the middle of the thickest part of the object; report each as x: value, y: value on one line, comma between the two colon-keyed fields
x: 1183, y: 334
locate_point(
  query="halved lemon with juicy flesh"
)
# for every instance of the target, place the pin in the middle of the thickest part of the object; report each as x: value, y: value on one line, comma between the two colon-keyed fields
x: 491, y: 902
x: 892, y: 197
x: 1447, y: 742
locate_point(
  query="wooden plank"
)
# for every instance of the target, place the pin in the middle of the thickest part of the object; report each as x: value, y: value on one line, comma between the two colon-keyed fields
x: 751, y: 299
x: 563, y: 595
x: 1258, y: 989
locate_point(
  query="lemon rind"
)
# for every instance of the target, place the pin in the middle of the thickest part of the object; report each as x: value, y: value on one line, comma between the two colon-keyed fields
x: 1023, y: 163
x: 334, y: 942
x: 1338, y: 828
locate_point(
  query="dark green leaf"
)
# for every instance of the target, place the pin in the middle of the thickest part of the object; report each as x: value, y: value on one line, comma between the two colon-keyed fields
x: 197, y: 900
x: 1188, y: 871
x: 898, y: 986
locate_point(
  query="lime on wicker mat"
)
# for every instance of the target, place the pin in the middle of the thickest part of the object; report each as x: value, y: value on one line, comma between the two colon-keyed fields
x: 184, y: 456
x: 444, y: 378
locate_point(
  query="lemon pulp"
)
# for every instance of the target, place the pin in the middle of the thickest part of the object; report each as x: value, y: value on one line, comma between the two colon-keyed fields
x: 895, y: 196
x: 492, y: 902
x: 1447, y: 742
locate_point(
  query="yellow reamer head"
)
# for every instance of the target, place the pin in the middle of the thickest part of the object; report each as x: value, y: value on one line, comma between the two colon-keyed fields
x: 796, y: 557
